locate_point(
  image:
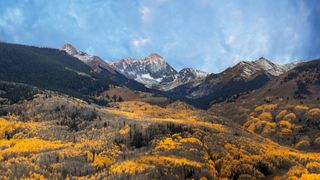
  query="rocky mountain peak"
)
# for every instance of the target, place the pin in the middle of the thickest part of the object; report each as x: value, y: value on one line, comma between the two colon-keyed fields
x: 263, y: 62
x: 248, y: 68
x: 262, y: 58
x: 155, y: 58
x: 95, y: 62
x: 70, y: 49
x: 150, y: 70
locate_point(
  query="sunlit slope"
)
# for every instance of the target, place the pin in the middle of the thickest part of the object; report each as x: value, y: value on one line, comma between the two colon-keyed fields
x: 179, y: 113
x: 292, y: 125
x: 299, y: 86
x: 55, y: 136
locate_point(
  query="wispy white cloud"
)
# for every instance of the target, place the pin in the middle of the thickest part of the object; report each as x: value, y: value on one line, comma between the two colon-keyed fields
x: 140, y: 42
x: 208, y: 34
x: 146, y: 13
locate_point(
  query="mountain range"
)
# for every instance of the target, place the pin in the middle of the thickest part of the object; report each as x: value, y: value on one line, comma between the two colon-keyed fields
x: 234, y: 81
x: 191, y: 85
x: 103, y: 68
x: 151, y: 74
x: 66, y: 114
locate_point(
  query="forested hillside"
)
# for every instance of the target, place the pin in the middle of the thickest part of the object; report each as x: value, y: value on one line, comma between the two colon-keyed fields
x: 49, y: 69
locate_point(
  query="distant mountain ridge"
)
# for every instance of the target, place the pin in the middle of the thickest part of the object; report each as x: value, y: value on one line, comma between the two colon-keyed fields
x: 94, y: 62
x: 155, y: 72
x: 54, y: 69
x: 149, y: 71
x: 184, y: 76
x: 244, y: 71
x: 194, y: 86
x: 102, y: 67
x: 251, y: 67
x: 234, y: 81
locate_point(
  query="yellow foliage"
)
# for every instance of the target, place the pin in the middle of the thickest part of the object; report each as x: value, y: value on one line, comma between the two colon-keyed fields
x: 4, y: 122
x: 148, y: 162
x: 313, y: 167
x: 296, y: 171
x: 90, y: 144
x: 31, y: 145
x: 137, y: 109
x: 269, y: 128
x: 9, y: 127
x: 143, y: 111
x: 125, y: 130
x: 114, y: 151
x: 310, y: 177
x: 169, y: 161
x: 267, y: 116
x: 176, y: 136
x: 266, y: 107
x: 228, y: 153
x: 212, y: 167
x: 285, y: 124
x: 101, y: 161
x: 281, y: 114
x: 176, y: 143
x: 290, y: 117
x: 314, y: 113
x: 191, y: 140
x: 301, y: 108
x: 34, y: 176
x: 168, y: 144
x: 69, y: 152
x: 129, y: 167
x: 250, y: 124
x: 28, y: 145
x: 263, y: 127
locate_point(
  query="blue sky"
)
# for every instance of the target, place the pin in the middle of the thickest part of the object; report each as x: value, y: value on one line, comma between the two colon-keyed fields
x: 210, y: 35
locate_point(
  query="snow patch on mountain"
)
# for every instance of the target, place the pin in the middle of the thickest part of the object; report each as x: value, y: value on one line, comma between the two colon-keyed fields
x: 95, y: 62
x: 186, y: 75
x: 71, y: 50
x: 149, y: 71
x: 155, y: 72
x: 244, y: 71
x: 249, y: 68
